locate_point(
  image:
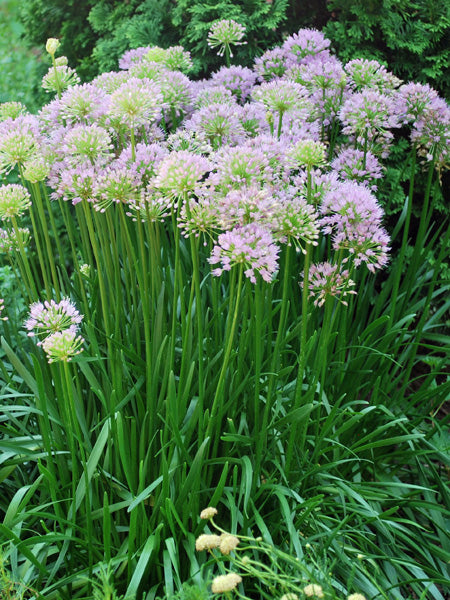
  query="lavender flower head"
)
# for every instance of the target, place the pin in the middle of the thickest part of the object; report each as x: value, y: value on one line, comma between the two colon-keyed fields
x: 219, y: 124
x: 246, y: 205
x: 240, y: 166
x: 431, y: 133
x: 83, y: 104
x: 179, y: 173
x: 206, y: 94
x: 19, y: 141
x: 281, y: 95
x: 370, y: 114
x: 50, y: 317
x: 12, y: 110
x: 136, y: 102
x: 251, y: 246
x: 352, y: 213
x: 115, y: 185
x: 353, y: 164
x: 88, y: 143
x: 304, y: 44
x: 225, y: 33
x: 131, y: 57
x: 239, y: 80
x: 61, y: 80
x: 364, y: 73
x: 12, y: 240
x: 270, y: 65
x: 327, y: 280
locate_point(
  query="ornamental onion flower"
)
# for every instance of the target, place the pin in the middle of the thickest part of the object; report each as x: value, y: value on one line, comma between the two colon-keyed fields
x: 63, y: 78
x: 12, y: 240
x: 313, y: 590
x: 327, y: 280
x: 62, y: 346
x: 136, y: 102
x: 88, y: 143
x: 250, y: 245
x: 14, y: 201
x: 228, y: 543
x: 50, y: 317
x: 179, y: 172
x: 225, y: 33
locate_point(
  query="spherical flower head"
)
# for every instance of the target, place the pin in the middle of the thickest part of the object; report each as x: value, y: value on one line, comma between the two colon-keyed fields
x: 349, y: 203
x: 225, y: 583
x: 61, y: 80
x: 149, y: 207
x: 36, y: 169
x: 364, y: 73
x: 225, y: 33
x: 247, y: 205
x: 131, y: 57
x: 87, y: 143
x: 207, y: 542
x: 240, y: 166
x: 50, y: 317
x: 19, y: 141
x: 179, y: 172
x: 155, y: 54
x: 136, y: 102
x: 110, y: 82
x: 356, y: 597
x: 295, y: 222
x: 12, y: 110
x: 14, y: 239
x: 83, y: 104
x: 327, y: 280
x: 351, y: 163
x: 367, y: 242
x: 228, y: 543
x: 52, y: 45
x: 313, y: 590
x: 2, y: 306
x: 177, y: 93
x: 251, y: 246
x: 61, y: 61
x: 304, y: 44
x: 14, y: 201
x: 176, y: 58
x: 208, y: 513
x: 306, y: 153
x: 281, y: 95
x: 114, y: 186
x: 239, y: 80
x: 415, y: 98
x: 370, y: 114
x: 431, y: 133
x: 271, y: 64
x: 219, y: 124
x: 62, y: 346
x: 213, y: 94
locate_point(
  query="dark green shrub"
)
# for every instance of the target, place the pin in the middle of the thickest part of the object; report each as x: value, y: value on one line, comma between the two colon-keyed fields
x: 412, y: 38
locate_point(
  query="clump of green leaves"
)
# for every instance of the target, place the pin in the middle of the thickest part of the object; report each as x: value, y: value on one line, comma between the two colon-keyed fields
x: 411, y: 37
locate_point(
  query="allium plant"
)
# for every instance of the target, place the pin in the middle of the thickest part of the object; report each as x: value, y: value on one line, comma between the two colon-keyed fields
x: 223, y: 240
x: 224, y: 34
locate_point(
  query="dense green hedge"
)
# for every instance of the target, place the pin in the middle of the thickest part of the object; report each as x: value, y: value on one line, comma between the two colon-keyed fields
x: 411, y: 37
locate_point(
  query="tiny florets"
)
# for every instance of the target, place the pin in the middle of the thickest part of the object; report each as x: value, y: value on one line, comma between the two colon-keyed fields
x: 207, y: 542
x: 225, y: 583
x: 313, y: 590
x: 14, y: 201
x: 208, y: 513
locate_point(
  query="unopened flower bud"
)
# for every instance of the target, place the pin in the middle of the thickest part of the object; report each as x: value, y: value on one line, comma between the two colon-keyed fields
x: 52, y: 45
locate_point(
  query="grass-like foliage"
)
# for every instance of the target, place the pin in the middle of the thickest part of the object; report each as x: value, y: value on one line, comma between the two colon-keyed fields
x: 203, y: 306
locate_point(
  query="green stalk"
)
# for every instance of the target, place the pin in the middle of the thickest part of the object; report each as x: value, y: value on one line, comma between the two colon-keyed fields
x: 302, y: 356
x: 275, y: 362
x: 42, y: 261
x: 29, y: 283
x: 43, y: 220
x: 280, y: 123
x: 215, y: 415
